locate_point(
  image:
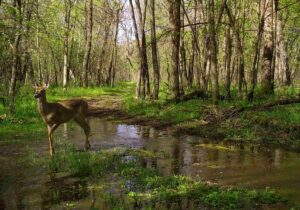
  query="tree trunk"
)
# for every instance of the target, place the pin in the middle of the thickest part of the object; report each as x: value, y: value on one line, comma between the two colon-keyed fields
x: 68, y: 6
x: 15, y: 52
x: 213, y: 53
x: 174, y: 16
x: 101, y: 57
x: 136, y: 33
x: 88, y: 45
x: 239, y: 48
x: 115, y: 51
x: 228, y: 53
x: 144, y: 60
x: 257, y: 48
x: 281, y: 54
x: 28, y: 67
x: 268, y: 49
x: 156, y: 71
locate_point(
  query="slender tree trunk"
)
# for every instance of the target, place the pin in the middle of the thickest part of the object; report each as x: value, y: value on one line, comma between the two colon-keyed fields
x: 182, y: 70
x: 239, y: 48
x: 88, y: 45
x: 156, y: 71
x: 115, y: 52
x: 193, y: 52
x: 68, y: 6
x: 136, y: 33
x: 174, y: 16
x: 102, y: 54
x: 228, y: 53
x: 15, y: 51
x: 144, y: 60
x: 213, y: 53
x: 38, y: 46
x: 28, y: 67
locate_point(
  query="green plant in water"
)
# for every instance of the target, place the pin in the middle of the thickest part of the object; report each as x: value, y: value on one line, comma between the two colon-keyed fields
x: 144, y: 185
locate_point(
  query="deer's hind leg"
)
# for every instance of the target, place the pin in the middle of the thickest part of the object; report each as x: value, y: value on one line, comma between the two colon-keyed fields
x: 82, y: 122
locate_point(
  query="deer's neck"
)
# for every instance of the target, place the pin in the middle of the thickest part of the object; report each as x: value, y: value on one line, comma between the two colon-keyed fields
x: 43, y: 105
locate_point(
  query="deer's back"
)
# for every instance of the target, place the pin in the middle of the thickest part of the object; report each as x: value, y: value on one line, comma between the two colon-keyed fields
x: 77, y: 105
x: 64, y: 111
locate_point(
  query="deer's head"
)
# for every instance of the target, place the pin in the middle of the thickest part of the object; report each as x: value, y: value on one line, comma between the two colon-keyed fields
x: 40, y: 90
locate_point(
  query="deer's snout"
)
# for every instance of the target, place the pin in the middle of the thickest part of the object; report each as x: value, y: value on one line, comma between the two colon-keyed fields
x: 36, y: 95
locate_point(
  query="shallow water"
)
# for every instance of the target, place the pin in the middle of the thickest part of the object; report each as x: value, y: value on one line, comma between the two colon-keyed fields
x: 23, y: 187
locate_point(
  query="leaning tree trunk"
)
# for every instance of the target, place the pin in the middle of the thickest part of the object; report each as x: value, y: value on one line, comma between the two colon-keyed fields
x: 15, y: 52
x: 268, y: 49
x: 156, y: 74
x: 88, y: 45
x: 174, y: 16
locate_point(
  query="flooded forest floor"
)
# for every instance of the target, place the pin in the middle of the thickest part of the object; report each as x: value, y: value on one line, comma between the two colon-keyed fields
x: 266, y: 122
x: 152, y: 155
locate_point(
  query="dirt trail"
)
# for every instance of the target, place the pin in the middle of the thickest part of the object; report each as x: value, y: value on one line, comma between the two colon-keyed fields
x: 105, y: 105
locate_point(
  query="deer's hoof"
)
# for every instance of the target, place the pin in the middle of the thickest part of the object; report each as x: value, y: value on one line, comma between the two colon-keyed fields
x: 87, y: 147
x: 52, y: 153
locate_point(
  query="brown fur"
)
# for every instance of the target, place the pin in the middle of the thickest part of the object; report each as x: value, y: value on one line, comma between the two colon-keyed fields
x: 55, y: 114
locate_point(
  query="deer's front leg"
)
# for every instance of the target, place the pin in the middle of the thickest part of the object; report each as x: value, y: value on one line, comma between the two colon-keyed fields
x: 50, y: 138
x: 51, y: 129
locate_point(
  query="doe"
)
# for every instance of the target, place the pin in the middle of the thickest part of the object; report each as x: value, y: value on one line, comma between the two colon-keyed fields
x: 54, y: 114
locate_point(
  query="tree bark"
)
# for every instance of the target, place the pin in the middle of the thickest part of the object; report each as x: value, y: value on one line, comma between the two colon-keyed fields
x: 156, y: 71
x: 268, y: 49
x: 68, y: 6
x: 102, y: 54
x: 15, y: 52
x: 144, y: 59
x: 228, y: 53
x: 136, y: 33
x: 88, y: 45
x: 113, y: 62
x: 239, y: 48
x: 257, y: 47
x: 281, y: 54
x: 174, y: 16
x: 213, y: 53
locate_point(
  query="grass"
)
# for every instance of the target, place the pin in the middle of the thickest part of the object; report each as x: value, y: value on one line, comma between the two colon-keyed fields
x: 144, y: 186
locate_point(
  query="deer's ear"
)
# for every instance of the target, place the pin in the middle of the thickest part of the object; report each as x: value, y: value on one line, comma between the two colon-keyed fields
x: 46, y: 85
x: 35, y: 85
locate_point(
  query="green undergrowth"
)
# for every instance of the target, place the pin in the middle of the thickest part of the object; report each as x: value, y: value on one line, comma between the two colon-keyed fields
x: 279, y: 125
x: 143, y: 186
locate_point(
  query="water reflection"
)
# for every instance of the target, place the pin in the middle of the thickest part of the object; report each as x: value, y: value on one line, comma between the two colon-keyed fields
x: 63, y: 189
x: 32, y: 187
